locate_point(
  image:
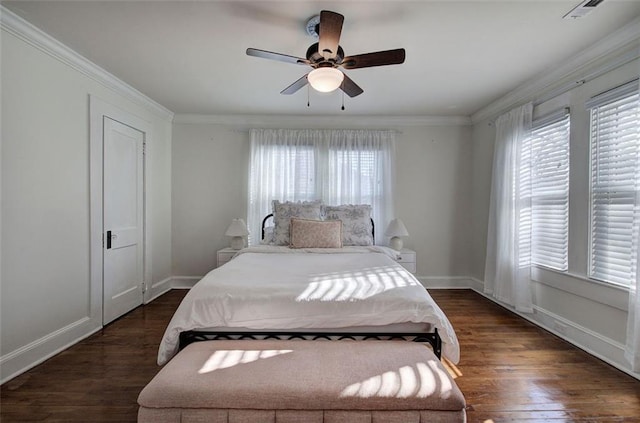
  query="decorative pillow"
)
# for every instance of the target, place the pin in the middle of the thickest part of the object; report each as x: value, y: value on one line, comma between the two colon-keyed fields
x: 316, y: 233
x: 283, y: 212
x: 356, y: 222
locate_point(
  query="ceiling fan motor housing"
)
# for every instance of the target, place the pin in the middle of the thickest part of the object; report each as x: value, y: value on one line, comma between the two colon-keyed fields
x: 317, y: 59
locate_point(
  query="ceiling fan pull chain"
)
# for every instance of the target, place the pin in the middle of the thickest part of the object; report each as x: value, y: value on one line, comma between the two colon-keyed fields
x: 308, y: 102
x: 342, y: 89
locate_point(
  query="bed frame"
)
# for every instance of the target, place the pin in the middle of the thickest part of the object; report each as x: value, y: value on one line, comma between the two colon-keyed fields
x: 433, y: 338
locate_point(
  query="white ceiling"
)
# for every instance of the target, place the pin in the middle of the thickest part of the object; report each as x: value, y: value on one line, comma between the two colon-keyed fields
x: 190, y: 56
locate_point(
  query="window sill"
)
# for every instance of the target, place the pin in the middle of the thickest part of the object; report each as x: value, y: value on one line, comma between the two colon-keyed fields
x: 601, y: 292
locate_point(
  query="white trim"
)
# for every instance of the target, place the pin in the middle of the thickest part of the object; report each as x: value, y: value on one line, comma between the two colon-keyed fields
x: 39, y: 39
x: 600, y: 292
x: 245, y: 122
x: 184, y: 282
x: 602, y: 347
x: 565, y: 75
x: 614, y: 94
x: 583, y: 337
x: 606, y: 349
x: 97, y: 109
x: 445, y: 282
x: 36, y: 352
x: 157, y: 289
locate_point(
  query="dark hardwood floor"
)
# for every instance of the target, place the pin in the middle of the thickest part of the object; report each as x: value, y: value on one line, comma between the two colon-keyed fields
x: 510, y: 371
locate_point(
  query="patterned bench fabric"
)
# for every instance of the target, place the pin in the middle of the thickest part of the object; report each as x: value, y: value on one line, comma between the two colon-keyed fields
x: 274, y: 381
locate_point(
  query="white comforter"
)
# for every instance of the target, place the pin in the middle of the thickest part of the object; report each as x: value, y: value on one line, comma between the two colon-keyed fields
x: 281, y: 288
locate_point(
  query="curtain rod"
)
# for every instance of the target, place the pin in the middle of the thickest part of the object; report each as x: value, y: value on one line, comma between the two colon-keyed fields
x: 564, y: 88
x: 246, y: 130
x: 620, y: 61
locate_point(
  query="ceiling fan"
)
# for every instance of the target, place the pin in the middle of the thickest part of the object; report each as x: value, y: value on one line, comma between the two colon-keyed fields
x: 326, y: 57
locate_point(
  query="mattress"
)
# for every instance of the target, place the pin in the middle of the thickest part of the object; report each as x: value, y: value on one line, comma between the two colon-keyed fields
x: 279, y: 288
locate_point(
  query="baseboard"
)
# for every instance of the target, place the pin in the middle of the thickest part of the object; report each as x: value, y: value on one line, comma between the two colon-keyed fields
x: 445, y: 282
x: 26, y: 357
x: 598, y: 345
x: 157, y: 289
x: 34, y: 353
x: 184, y: 282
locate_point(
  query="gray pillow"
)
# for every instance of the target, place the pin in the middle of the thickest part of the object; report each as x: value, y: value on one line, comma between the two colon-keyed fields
x: 284, y: 211
x: 356, y: 222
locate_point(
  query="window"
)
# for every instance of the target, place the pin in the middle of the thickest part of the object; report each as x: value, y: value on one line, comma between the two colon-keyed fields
x: 548, y: 165
x: 615, y: 172
x: 336, y: 166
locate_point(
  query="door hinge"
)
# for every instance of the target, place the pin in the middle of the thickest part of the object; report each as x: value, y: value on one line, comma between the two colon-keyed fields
x: 144, y: 148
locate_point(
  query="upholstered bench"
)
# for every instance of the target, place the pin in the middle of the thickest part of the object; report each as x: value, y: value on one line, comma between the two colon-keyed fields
x: 271, y: 381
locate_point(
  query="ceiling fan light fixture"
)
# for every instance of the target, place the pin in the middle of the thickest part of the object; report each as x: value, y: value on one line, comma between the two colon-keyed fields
x: 325, y: 79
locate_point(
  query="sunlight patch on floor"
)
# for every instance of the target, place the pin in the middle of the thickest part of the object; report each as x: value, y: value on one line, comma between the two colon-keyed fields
x: 452, y: 369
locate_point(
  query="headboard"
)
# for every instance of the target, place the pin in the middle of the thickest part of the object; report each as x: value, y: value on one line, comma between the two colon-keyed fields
x: 270, y: 216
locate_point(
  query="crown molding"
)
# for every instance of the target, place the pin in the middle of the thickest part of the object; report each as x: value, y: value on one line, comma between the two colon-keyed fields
x: 573, y: 70
x: 27, y: 32
x: 305, y: 121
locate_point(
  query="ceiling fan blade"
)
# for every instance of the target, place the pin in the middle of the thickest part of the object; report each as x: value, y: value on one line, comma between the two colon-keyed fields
x: 329, y: 33
x: 276, y: 56
x: 295, y: 86
x: 350, y: 88
x: 379, y: 58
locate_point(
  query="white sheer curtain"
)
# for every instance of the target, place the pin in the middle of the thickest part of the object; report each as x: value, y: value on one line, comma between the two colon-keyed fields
x: 632, y: 347
x: 359, y: 169
x: 336, y: 166
x: 507, y: 270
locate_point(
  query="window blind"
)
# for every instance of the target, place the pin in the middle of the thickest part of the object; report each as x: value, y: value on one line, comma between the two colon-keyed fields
x: 549, y: 167
x: 615, y: 172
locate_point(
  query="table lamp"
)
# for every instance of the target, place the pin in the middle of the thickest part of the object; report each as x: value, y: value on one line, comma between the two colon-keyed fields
x: 237, y: 231
x: 396, y: 230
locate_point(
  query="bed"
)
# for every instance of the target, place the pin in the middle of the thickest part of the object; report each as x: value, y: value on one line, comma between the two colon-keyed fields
x: 266, y: 291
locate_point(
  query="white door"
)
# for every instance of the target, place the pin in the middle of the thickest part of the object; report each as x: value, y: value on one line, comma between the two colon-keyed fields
x: 123, y: 219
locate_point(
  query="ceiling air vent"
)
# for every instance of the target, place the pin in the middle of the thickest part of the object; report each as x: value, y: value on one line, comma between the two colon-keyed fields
x: 582, y: 9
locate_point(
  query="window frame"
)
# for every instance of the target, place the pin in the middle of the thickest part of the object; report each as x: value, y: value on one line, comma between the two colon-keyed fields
x: 562, y: 120
x: 608, y: 98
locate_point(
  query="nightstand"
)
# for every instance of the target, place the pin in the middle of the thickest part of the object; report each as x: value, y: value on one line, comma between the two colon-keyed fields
x: 408, y: 259
x: 225, y: 255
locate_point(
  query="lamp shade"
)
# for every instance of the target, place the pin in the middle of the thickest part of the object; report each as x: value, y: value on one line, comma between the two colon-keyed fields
x: 396, y: 228
x: 325, y: 79
x: 237, y: 228
x: 237, y: 231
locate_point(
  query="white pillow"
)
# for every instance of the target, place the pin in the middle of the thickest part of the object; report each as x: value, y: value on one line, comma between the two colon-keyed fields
x: 284, y: 211
x: 316, y: 233
x: 356, y: 222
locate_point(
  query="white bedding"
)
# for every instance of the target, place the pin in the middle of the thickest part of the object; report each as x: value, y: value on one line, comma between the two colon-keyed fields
x: 279, y: 288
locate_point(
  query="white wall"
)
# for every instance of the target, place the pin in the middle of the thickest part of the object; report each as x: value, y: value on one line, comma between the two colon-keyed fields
x: 210, y: 169
x: 590, y: 314
x: 209, y: 178
x: 433, y: 183
x: 45, y: 275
